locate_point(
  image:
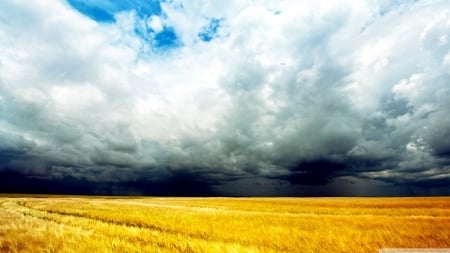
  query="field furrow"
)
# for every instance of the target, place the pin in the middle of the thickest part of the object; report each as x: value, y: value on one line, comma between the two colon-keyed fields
x: 134, y: 233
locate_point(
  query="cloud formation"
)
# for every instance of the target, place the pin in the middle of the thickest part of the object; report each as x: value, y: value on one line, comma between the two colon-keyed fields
x: 245, y: 98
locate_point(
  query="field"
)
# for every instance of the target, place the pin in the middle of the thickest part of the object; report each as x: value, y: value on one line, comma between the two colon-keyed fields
x: 107, y: 224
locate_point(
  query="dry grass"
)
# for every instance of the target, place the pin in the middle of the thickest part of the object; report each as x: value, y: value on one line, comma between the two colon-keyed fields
x: 80, y: 224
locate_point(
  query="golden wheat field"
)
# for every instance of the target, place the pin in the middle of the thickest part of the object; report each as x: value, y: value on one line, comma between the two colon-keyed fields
x: 107, y: 224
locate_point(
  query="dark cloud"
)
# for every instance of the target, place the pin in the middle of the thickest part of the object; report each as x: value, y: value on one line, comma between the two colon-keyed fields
x: 179, y: 184
x: 318, y: 172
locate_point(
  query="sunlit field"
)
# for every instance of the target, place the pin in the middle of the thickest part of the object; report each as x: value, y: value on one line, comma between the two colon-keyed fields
x: 96, y: 224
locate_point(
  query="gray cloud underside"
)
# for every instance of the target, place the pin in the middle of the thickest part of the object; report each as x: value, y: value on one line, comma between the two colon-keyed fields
x: 311, y: 94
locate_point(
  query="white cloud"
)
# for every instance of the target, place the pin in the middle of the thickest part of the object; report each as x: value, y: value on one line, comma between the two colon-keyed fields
x: 409, y: 88
x: 73, y: 99
x: 155, y: 23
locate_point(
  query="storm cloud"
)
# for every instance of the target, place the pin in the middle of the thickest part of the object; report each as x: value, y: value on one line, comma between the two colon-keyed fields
x: 236, y: 98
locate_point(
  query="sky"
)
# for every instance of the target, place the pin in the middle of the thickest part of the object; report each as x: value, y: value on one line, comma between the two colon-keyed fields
x: 225, y: 98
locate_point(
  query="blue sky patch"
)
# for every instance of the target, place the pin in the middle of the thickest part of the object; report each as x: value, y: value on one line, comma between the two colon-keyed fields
x: 92, y: 11
x: 103, y: 11
x: 166, y: 38
x: 209, y: 31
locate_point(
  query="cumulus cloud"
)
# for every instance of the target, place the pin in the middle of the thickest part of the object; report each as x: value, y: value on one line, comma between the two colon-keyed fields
x: 195, y: 97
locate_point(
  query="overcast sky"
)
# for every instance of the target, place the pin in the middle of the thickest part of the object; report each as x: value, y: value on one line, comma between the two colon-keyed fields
x: 197, y: 97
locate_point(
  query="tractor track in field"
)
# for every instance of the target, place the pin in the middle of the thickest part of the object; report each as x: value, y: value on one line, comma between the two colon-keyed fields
x: 28, y: 213
x: 133, y: 239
